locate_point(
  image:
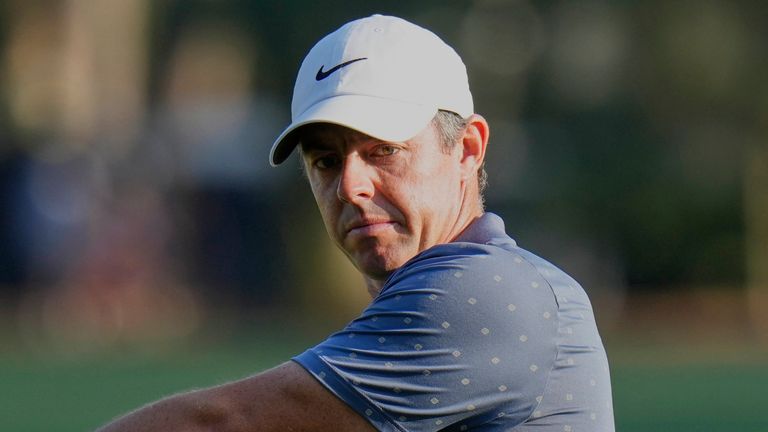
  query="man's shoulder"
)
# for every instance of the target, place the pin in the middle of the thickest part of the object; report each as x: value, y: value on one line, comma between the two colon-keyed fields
x: 495, y: 272
x: 456, y: 259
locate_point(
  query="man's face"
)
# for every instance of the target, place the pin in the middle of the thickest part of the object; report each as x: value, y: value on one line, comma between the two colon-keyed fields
x: 383, y: 202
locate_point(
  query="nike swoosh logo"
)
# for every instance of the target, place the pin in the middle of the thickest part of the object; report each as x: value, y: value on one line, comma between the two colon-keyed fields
x: 321, y: 74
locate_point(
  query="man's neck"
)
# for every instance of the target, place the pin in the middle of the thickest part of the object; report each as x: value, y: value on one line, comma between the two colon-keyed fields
x: 374, y: 286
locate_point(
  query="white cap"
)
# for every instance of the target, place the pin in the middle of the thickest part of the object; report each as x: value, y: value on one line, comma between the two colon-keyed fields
x: 382, y: 76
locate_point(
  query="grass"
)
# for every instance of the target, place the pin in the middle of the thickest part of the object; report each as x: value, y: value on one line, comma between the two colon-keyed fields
x: 697, y: 397
x: 77, y: 393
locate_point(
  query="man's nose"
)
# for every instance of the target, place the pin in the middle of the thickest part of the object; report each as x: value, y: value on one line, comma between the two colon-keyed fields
x: 355, y: 180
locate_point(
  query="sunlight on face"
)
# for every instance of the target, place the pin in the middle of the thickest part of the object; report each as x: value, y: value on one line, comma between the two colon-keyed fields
x: 382, y: 202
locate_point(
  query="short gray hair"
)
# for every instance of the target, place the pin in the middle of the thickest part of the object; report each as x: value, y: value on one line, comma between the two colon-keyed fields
x: 450, y: 127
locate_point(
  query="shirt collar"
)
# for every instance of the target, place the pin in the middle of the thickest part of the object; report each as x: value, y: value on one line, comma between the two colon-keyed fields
x: 486, y: 229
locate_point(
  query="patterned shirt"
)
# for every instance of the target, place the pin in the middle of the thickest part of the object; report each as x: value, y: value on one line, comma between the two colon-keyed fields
x: 473, y: 335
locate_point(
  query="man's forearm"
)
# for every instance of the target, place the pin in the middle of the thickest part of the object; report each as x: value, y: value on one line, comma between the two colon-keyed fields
x: 281, y: 399
x: 193, y: 411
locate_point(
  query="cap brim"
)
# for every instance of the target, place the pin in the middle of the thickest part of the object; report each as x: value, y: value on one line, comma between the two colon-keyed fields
x: 384, y: 119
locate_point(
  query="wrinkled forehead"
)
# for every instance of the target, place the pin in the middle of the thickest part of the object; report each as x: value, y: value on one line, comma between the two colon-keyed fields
x: 321, y: 136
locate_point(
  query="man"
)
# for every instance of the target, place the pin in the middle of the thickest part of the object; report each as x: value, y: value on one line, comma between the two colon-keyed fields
x: 465, y: 331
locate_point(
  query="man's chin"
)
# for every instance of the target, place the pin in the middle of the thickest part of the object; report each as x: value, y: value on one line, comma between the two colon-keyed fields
x: 376, y: 273
x: 377, y: 268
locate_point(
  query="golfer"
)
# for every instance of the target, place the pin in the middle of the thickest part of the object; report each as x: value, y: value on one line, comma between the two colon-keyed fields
x: 466, y: 331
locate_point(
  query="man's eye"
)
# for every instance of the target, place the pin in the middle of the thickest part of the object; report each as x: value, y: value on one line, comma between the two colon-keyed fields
x: 385, y: 150
x: 325, y: 162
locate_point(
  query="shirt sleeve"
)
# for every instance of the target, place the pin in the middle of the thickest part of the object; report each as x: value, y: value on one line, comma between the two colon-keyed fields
x: 461, y: 336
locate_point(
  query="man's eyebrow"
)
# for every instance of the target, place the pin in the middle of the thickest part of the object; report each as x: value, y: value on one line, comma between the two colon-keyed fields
x: 309, y: 144
x: 323, y: 140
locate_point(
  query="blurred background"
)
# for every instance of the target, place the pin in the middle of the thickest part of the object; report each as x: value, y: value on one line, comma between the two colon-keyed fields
x: 147, y: 247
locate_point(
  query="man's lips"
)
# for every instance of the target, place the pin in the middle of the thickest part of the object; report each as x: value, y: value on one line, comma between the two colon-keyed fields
x: 369, y: 226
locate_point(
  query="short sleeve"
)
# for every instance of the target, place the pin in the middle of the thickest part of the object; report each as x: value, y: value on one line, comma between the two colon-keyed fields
x: 461, y: 336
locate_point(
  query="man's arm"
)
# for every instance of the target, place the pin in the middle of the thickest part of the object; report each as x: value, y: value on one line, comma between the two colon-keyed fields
x: 285, y: 398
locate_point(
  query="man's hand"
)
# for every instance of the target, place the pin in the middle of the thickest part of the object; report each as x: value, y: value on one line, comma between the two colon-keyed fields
x: 286, y: 398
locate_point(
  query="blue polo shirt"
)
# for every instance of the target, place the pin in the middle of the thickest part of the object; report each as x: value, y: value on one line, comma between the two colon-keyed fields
x: 474, y: 335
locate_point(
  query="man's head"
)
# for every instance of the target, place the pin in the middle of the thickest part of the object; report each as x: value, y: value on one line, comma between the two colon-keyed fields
x: 391, y: 147
x: 379, y: 75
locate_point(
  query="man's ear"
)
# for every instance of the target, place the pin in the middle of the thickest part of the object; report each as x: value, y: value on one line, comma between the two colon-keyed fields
x: 474, y: 142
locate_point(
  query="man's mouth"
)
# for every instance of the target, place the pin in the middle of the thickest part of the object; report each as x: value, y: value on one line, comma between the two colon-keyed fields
x: 370, y: 227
